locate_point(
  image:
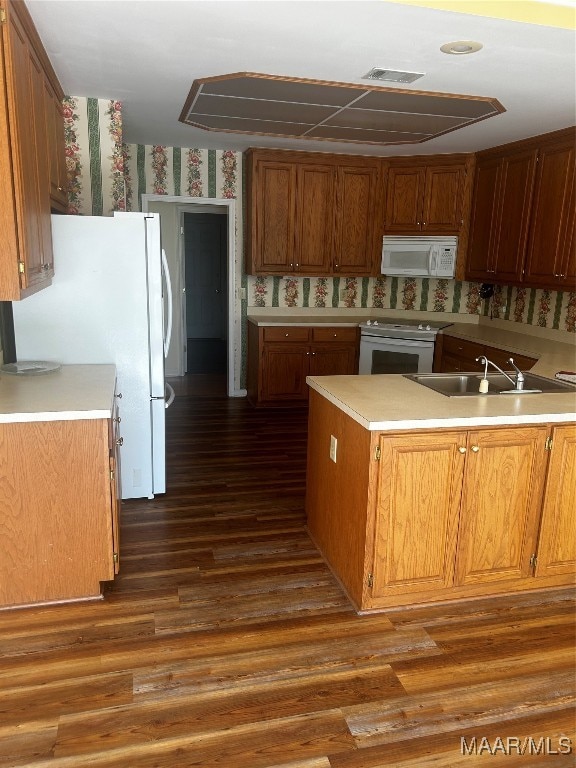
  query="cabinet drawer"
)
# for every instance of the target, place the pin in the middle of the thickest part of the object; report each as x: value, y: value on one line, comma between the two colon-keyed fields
x: 461, y: 348
x: 286, y: 333
x: 334, y: 334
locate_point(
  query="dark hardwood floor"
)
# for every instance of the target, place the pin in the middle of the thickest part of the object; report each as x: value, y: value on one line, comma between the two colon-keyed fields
x: 225, y: 642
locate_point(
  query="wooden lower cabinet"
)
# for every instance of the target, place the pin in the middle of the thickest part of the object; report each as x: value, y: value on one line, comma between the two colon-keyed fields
x: 440, y: 515
x: 557, y: 550
x: 59, y: 502
x: 280, y: 358
x: 453, y: 355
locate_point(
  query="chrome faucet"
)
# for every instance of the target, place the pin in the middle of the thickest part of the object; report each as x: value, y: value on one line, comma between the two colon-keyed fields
x: 518, y: 384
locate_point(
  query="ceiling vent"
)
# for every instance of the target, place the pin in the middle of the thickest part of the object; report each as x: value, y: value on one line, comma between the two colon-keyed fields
x: 392, y: 75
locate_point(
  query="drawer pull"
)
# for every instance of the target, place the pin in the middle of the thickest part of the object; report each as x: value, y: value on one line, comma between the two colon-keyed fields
x: 475, y: 449
x: 462, y: 449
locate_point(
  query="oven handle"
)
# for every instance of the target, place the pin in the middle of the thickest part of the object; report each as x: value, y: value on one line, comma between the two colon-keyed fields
x: 387, y: 340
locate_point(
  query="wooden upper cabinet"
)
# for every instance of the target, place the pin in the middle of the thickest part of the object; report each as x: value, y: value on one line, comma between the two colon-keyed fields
x: 56, y: 148
x: 500, y: 217
x: 26, y: 261
x: 425, y: 198
x: 404, y: 200
x: 523, y: 218
x: 312, y: 214
x: 314, y: 219
x: 272, y: 216
x: 550, y: 258
x: 356, y: 251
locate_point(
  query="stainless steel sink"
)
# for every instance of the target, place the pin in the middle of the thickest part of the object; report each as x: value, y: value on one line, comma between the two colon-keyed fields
x: 468, y: 384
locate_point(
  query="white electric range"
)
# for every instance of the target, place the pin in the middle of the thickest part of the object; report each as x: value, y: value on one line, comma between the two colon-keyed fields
x: 390, y: 346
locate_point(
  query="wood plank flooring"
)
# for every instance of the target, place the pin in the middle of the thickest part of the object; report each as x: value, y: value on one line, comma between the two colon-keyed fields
x: 225, y: 642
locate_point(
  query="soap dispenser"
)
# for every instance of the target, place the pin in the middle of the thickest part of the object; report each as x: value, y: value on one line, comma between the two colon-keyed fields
x: 483, y: 388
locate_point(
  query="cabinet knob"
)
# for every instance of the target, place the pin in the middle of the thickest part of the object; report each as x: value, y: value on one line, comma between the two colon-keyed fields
x: 335, y: 335
x: 297, y: 265
x: 60, y: 189
x: 286, y: 334
x: 120, y: 441
x: 462, y: 449
x: 475, y: 449
x: 313, y: 354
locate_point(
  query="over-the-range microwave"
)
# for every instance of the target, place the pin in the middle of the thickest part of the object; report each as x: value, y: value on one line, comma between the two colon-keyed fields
x: 419, y: 256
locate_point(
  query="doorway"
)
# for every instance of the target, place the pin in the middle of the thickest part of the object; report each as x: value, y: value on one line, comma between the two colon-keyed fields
x: 205, y: 251
x: 171, y: 208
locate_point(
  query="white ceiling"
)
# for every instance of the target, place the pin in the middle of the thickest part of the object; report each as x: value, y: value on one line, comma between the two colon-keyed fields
x: 146, y: 53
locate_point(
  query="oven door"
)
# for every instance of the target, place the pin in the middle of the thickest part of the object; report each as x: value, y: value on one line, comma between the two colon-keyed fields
x: 382, y: 355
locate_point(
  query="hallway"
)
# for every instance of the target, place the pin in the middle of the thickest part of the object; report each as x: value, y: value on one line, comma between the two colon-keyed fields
x: 225, y: 642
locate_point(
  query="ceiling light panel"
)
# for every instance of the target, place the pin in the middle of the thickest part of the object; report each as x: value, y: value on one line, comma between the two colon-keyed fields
x: 290, y: 107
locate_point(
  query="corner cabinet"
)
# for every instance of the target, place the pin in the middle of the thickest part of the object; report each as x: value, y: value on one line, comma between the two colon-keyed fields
x: 280, y: 358
x: 522, y: 228
x: 29, y: 132
x: 445, y: 514
x: 312, y: 213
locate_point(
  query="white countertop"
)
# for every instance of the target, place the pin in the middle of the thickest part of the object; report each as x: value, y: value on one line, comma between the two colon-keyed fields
x: 390, y: 402
x: 73, y: 392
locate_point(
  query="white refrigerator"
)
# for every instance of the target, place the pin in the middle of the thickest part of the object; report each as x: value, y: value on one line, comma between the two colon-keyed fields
x: 110, y: 302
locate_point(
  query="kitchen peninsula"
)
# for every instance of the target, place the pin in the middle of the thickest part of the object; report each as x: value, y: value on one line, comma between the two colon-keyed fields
x: 58, y: 492
x: 415, y: 497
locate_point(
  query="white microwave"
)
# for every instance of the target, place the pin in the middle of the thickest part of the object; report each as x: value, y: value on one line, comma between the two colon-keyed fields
x: 419, y: 256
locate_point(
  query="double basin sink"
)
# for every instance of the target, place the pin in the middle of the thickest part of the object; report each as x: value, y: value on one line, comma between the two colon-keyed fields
x: 468, y: 384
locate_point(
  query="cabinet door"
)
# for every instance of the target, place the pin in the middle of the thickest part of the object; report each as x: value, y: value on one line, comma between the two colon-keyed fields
x: 443, y: 198
x: 314, y: 219
x: 404, y: 195
x: 56, y: 148
x: 356, y: 251
x: 273, y: 208
x: 557, y: 545
x: 484, y: 217
x: 418, y: 499
x: 500, y: 504
x: 26, y: 180
x: 284, y: 371
x: 552, y: 216
x: 511, y: 229
x: 333, y: 359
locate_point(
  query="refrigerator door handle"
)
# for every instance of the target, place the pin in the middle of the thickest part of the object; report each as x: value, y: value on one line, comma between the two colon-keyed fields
x: 168, y: 330
x: 171, y: 395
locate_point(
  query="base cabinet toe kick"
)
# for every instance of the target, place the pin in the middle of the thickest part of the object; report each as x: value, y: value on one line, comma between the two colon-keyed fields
x: 444, y: 514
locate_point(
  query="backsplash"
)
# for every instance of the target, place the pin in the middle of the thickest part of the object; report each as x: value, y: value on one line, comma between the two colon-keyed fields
x: 540, y: 307
x: 106, y: 176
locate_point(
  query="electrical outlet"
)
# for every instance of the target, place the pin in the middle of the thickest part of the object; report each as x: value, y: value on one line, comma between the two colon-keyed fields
x: 241, y: 294
x: 333, y: 448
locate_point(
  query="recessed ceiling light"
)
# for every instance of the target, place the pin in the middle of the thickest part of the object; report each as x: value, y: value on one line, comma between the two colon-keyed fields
x: 461, y: 47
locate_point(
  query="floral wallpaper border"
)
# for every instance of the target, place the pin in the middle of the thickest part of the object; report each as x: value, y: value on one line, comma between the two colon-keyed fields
x: 539, y: 307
